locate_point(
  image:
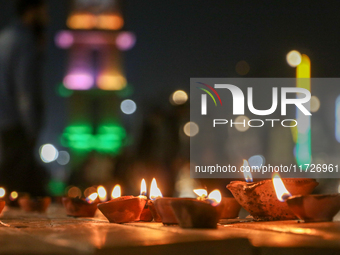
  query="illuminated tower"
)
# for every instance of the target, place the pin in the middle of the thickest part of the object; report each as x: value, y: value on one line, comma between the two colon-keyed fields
x: 94, y: 75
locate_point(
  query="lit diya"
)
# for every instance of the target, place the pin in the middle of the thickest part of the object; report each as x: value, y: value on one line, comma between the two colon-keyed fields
x: 38, y: 204
x: 146, y: 213
x: 229, y: 208
x: 78, y: 207
x: 193, y: 213
x: 260, y: 200
x: 155, y: 193
x: 309, y: 208
x: 2, y: 202
x: 162, y: 206
x: 122, y: 209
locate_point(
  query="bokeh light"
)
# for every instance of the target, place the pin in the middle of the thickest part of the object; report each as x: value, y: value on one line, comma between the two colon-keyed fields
x: 81, y: 21
x: 78, y: 81
x: 241, y: 127
x: 179, y: 97
x: 48, y: 153
x: 125, y: 41
x: 256, y: 161
x: 128, y: 106
x: 111, y: 82
x: 293, y: 58
x: 191, y: 129
x: 109, y: 22
x: 63, y: 158
x: 14, y: 195
x: 64, y: 39
x: 242, y: 67
x: 314, y: 104
x: 74, y: 192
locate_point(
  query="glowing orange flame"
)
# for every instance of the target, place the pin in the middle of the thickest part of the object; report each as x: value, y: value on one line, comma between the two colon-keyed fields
x: 2, y: 192
x: 91, y: 198
x: 215, y: 197
x: 246, y: 171
x: 201, y: 193
x: 143, y: 188
x: 14, y: 195
x: 281, y: 192
x: 155, y: 192
x: 102, y: 193
x: 116, y: 192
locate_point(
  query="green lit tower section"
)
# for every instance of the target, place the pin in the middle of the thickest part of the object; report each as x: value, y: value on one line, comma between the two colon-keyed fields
x: 94, y: 77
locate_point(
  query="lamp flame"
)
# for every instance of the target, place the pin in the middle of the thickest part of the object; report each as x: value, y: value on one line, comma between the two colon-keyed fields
x: 2, y: 192
x: 91, y: 198
x: 143, y: 188
x: 215, y: 197
x: 201, y: 193
x: 246, y: 171
x: 154, y: 190
x: 102, y: 193
x: 116, y: 192
x: 281, y: 192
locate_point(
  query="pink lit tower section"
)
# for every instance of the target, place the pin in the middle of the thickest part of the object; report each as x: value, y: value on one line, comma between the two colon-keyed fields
x: 94, y: 74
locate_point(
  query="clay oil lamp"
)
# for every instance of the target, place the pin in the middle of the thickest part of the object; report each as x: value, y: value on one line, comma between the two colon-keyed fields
x: 2, y: 202
x: 146, y: 213
x: 78, y: 207
x: 259, y: 198
x: 194, y: 213
x: 314, y: 208
x: 155, y: 193
x: 163, y: 206
x: 229, y: 208
x: 38, y: 204
x: 122, y: 209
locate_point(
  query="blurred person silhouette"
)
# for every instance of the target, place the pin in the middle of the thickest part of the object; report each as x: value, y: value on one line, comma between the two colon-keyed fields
x: 21, y: 101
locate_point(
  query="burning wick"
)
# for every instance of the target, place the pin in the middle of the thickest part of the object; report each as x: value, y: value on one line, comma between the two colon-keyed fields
x: 155, y: 192
x: 143, y: 190
x: 281, y: 192
x: 91, y: 198
x: 246, y: 171
x: 116, y: 192
x: 102, y: 193
x: 201, y: 193
x: 214, y: 197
